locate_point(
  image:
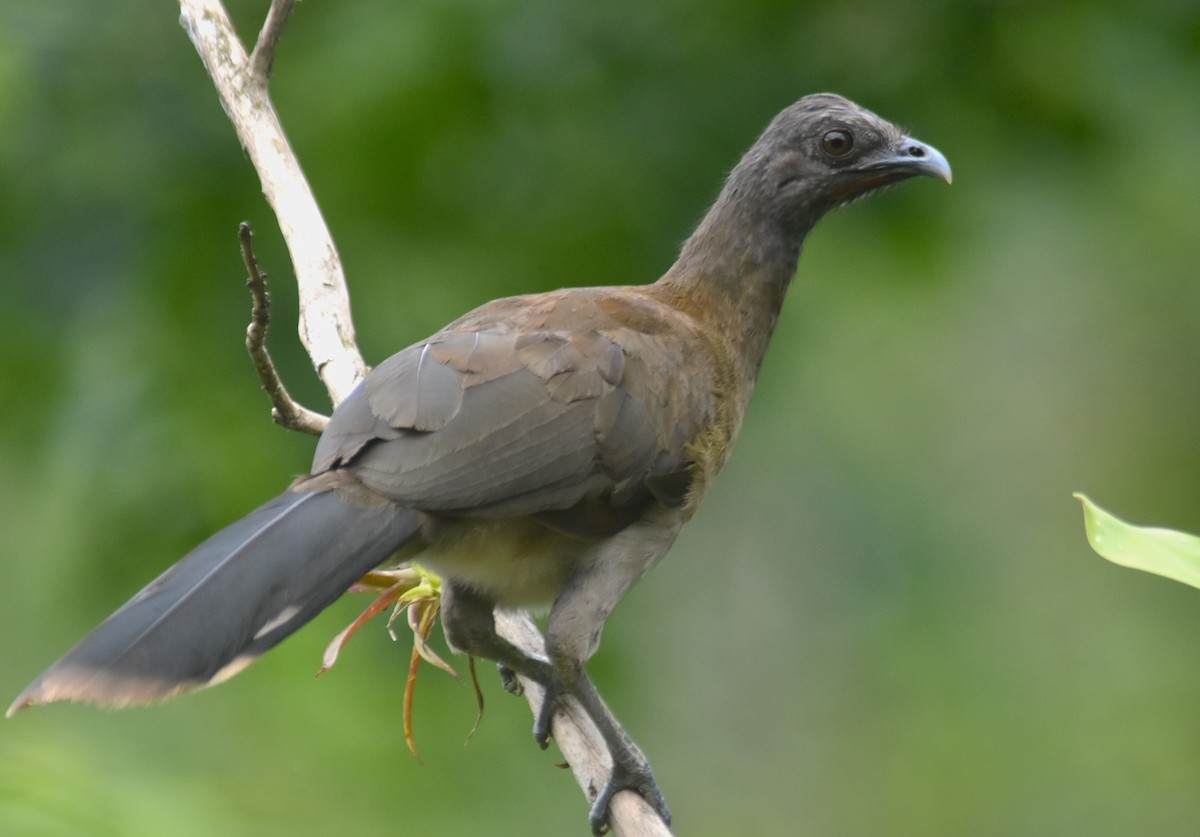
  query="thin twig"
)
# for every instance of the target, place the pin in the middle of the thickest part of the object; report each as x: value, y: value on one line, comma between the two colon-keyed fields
x: 284, y: 410
x: 263, y: 57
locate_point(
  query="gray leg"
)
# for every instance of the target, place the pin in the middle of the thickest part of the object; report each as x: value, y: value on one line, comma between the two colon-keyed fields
x: 573, y: 634
x: 605, y: 573
x: 630, y: 768
x: 469, y: 622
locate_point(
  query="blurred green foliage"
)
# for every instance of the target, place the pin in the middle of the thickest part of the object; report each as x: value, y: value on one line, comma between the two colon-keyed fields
x: 886, y: 620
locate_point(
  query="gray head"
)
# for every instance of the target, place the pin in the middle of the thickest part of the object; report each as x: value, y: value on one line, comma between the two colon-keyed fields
x: 820, y: 153
x: 825, y: 151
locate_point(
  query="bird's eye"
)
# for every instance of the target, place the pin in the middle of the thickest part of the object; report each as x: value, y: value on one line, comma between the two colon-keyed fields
x: 837, y: 143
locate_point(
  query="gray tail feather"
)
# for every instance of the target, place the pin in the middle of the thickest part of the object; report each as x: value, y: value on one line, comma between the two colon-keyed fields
x: 228, y: 600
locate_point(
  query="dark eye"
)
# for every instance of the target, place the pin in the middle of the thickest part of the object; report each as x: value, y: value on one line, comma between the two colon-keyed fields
x: 837, y: 143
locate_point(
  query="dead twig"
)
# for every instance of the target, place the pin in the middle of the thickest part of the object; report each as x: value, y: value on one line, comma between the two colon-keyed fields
x: 285, y: 411
x: 262, y: 58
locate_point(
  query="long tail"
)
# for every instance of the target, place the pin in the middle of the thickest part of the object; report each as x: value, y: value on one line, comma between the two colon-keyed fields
x: 229, y: 600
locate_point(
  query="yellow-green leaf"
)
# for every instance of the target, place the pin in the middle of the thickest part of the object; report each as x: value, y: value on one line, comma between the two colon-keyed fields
x: 1165, y: 552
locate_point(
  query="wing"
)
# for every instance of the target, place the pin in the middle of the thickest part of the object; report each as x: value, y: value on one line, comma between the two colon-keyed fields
x: 581, y: 399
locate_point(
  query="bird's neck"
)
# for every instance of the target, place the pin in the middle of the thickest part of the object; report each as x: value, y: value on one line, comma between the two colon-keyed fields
x: 734, y: 271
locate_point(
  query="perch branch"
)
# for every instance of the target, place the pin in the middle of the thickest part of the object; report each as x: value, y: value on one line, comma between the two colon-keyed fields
x: 326, y: 329
x: 284, y: 410
x: 328, y: 334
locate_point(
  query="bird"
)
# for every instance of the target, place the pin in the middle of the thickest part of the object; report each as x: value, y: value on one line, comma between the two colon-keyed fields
x: 540, y: 451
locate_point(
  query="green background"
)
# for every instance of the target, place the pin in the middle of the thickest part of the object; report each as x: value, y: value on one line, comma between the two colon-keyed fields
x: 885, y: 620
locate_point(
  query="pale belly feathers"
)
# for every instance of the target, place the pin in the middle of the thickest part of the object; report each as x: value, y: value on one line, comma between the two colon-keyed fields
x: 516, y: 562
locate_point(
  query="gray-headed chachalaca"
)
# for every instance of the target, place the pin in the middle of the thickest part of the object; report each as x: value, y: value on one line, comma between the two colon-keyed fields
x: 541, y: 450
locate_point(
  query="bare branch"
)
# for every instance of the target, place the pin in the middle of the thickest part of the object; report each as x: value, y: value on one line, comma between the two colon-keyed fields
x: 328, y: 333
x: 326, y: 328
x: 284, y: 410
x: 263, y: 57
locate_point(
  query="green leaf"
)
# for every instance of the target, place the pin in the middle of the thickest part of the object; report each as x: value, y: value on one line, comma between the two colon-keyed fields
x: 1164, y: 552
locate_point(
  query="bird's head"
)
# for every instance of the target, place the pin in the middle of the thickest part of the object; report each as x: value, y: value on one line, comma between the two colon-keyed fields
x: 820, y: 153
x: 825, y: 151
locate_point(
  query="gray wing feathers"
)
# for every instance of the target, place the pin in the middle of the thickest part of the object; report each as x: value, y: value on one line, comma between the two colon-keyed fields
x: 509, y: 441
x: 624, y: 442
x: 505, y: 422
x: 413, y: 390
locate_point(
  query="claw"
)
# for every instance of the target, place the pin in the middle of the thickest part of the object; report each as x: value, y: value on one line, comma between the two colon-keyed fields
x: 508, y: 679
x: 636, y: 777
x: 541, y: 724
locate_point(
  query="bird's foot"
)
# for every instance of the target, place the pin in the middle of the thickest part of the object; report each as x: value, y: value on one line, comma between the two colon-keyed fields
x: 632, y: 773
x: 552, y: 690
x: 541, y: 724
x: 509, y: 680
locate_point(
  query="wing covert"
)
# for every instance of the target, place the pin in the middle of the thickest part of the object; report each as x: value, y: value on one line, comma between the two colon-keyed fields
x: 501, y: 418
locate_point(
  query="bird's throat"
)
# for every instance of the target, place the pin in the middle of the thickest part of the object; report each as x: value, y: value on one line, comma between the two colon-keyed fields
x: 733, y: 274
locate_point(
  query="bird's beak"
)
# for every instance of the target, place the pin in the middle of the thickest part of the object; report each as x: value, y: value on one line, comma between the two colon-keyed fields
x: 915, y: 158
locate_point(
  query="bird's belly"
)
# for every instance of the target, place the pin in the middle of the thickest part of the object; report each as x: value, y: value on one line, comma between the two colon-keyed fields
x: 515, y: 562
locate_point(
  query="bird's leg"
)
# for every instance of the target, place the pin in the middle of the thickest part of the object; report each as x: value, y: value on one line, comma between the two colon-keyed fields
x: 573, y: 629
x: 469, y: 623
x: 604, y: 573
x: 630, y: 767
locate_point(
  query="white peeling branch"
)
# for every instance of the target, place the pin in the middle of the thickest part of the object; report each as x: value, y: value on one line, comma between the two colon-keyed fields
x: 327, y: 331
